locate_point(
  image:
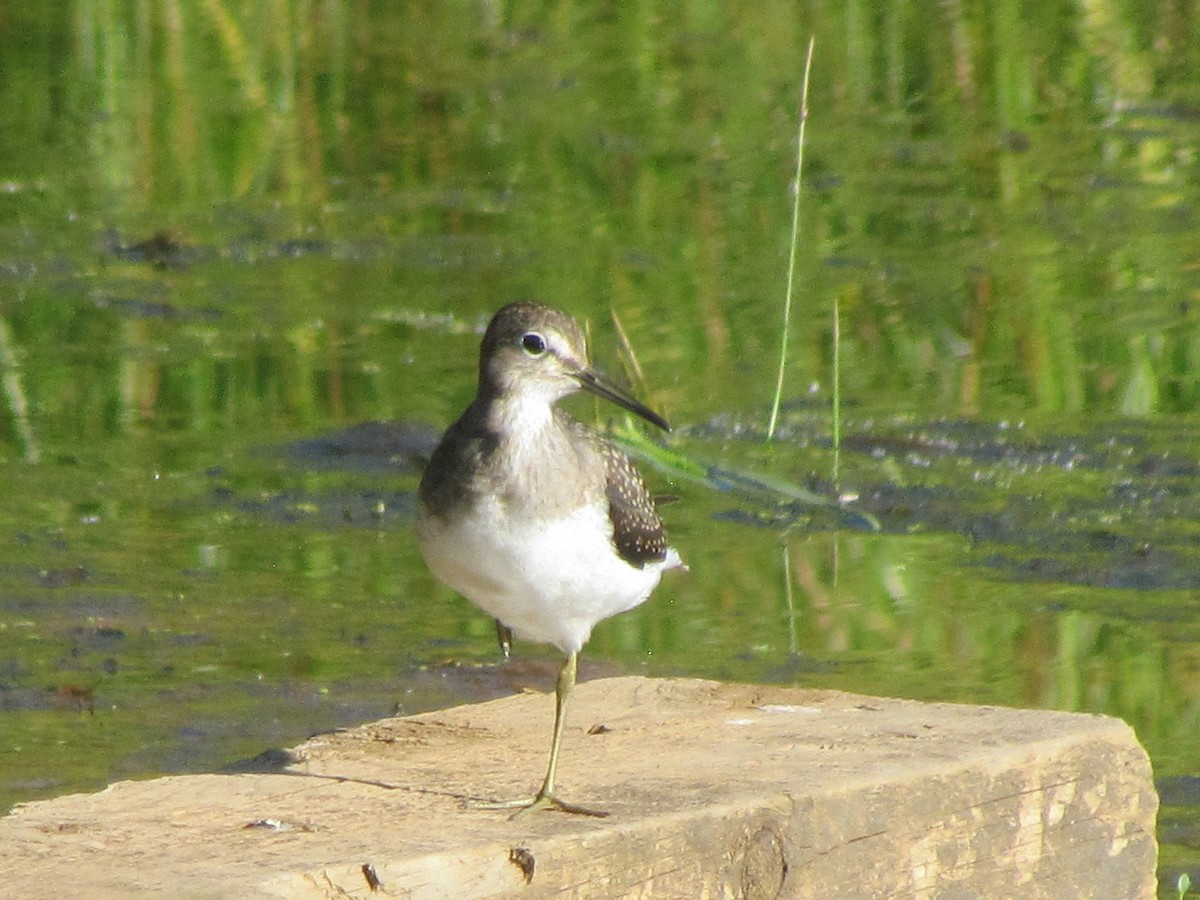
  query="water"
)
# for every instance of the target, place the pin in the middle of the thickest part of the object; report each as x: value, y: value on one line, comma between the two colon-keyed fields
x: 225, y: 246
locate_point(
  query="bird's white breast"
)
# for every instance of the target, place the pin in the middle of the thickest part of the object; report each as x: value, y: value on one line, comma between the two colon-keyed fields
x: 549, y: 580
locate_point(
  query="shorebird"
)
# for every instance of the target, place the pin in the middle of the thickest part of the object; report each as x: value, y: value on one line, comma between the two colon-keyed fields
x: 535, y: 518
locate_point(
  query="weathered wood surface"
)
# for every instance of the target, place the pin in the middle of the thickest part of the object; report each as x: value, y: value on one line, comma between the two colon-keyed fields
x: 715, y: 791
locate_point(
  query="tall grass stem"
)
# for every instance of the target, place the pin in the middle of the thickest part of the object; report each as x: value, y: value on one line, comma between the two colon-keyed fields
x: 791, y: 272
x: 837, y: 389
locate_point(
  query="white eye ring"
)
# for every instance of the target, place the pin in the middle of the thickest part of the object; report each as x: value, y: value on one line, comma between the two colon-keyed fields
x: 533, y: 344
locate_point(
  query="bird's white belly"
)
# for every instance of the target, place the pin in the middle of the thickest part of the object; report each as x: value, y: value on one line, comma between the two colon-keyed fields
x: 549, y: 581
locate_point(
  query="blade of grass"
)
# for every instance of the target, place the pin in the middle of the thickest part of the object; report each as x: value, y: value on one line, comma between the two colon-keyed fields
x: 791, y: 273
x: 793, y: 641
x: 630, y: 356
x: 837, y: 389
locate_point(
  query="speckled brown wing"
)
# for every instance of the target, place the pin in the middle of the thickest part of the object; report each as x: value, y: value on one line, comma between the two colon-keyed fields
x: 637, y: 530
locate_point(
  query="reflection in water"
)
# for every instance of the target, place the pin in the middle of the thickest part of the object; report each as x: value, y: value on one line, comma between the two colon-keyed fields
x: 225, y: 246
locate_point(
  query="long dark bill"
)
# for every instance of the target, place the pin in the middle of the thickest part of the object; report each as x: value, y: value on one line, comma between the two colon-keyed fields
x: 595, y: 383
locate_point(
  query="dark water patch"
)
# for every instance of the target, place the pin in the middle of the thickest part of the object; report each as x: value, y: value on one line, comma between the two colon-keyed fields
x: 1179, y: 790
x: 95, y: 638
x: 798, y: 665
x: 326, y: 510
x: 34, y: 786
x: 963, y: 441
x: 69, y: 606
x: 1139, y: 571
x: 299, y: 708
x: 255, y: 245
x: 165, y: 251
x: 254, y: 250
x: 160, y: 250
x: 71, y: 576
x: 64, y: 696
x: 367, y: 447
x: 141, y: 308
x: 19, y: 269
x: 376, y: 450
x: 1115, y: 508
x: 16, y: 698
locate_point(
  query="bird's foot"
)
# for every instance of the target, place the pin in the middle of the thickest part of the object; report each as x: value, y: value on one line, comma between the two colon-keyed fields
x: 526, y: 805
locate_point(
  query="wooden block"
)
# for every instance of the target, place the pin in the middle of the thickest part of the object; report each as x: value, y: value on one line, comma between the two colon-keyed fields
x: 715, y: 790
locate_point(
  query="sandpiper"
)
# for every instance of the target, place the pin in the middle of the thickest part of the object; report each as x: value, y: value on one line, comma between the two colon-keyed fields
x: 533, y: 517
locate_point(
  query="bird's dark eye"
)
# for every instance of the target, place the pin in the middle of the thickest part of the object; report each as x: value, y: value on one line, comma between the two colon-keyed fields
x: 534, y: 344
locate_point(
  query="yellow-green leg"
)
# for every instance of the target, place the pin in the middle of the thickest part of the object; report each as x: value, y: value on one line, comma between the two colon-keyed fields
x: 545, y: 798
